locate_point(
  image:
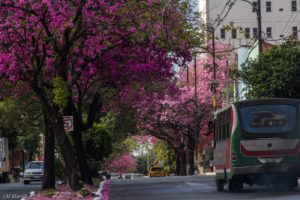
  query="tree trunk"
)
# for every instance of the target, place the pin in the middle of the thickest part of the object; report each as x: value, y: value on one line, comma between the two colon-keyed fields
x: 81, y: 158
x: 30, y: 156
x: 78, y: 143
x: 49, y: 166
x: 183, y: 162
x: 65, y: 148
x: 191, y: 148
x: 12, y: 163
x: 23, y: 160
x: 178, y: 163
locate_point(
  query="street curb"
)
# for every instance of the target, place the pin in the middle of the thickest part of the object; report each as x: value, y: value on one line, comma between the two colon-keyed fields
x: 31, y: 195
x: 99, y: 191
x: 210, y: 174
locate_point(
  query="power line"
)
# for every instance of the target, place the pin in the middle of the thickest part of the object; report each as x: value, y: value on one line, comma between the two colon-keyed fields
x: 293, y: 21
x: 274, y: 40
x: 283, y: 30
x: 220, y: 19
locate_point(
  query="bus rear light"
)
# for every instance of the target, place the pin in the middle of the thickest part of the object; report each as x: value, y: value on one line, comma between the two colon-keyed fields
x: 234, y: 157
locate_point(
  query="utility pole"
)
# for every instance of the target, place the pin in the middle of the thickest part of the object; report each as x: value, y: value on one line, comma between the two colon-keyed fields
x: 214, y: 67
x: 259, y: 25
x: 227, y: 83
x: 196, y: 111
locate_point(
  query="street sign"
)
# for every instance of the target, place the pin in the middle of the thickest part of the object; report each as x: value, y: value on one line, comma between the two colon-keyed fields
x: 68, y: 123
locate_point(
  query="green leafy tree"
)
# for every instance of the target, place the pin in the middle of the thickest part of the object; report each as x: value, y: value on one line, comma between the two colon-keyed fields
x: 21, y: 123
x: 165, y: 156
x: 98, y: 145
x: 276, y: 72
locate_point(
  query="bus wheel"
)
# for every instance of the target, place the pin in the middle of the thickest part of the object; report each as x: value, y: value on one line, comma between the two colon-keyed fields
x: 220, y: 185
x: 239, y: 185
x: 230, y: 185
x: 235, y: 185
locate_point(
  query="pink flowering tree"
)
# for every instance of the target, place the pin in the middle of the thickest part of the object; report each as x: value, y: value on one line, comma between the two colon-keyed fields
x: 172, y: 117
x: 125, y: 163
x: 66, y: 51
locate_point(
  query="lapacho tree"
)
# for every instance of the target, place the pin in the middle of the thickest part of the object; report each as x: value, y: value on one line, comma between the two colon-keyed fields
x: 66, y: 50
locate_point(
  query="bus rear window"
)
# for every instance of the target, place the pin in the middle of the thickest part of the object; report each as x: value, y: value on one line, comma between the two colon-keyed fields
x: 268, y: 118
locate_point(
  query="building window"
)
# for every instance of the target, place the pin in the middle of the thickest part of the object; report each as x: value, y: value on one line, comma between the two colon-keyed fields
x: 247, y: 32
x: 268, y: 6
x: 255, y: 33
x: 223, y: 33
x: 295, y: 31
x: 269, y: 32
x: 254, y: 6
x: 233, y: 31
x: 294, y: 5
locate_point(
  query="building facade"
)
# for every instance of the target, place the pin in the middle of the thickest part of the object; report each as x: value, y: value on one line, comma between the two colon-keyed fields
x: 279, y: 19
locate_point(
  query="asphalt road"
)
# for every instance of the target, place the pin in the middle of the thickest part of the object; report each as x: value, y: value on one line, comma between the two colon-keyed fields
x: 16, y: 191
x: 189, y: 188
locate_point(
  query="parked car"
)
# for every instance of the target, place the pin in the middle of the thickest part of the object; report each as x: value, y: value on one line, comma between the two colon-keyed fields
x: 127, y: 176
x: 157, y: 172
x: 114, y: 176
x: 34, y: 171
x: 136, y: 175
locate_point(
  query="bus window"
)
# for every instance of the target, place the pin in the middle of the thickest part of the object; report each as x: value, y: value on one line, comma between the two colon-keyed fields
x: 227, y: 130
x: 223, y: 132
x: 268, y: 118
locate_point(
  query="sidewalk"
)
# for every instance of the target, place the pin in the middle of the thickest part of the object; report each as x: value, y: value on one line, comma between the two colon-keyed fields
x: 209, y: 174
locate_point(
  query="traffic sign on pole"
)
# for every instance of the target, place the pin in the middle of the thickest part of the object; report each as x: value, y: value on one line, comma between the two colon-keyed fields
x: 68, y: 123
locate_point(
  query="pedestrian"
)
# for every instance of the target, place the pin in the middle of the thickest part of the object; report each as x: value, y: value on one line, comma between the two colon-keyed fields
x: 211, y: 164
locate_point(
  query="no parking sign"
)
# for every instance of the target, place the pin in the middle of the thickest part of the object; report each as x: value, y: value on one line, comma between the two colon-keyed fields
x: 68, y: 123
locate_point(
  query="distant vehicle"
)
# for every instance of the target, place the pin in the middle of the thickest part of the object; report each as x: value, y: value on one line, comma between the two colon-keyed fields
x: 133, y: 176
x: 114, y: 176
x: 127, y: 176
x: 157, y: 172
x: 34, y: 171
x: 267, y: 119
x: 136, y: 175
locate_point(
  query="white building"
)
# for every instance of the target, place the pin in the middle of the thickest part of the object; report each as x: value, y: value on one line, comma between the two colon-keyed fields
x: 280, y: 19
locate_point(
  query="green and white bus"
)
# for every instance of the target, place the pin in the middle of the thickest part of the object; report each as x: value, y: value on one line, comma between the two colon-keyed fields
x: 257, y: 142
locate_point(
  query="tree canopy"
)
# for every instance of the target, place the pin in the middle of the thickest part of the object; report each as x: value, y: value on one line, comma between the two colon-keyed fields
x: 66, y: 51
x: 275, y: 73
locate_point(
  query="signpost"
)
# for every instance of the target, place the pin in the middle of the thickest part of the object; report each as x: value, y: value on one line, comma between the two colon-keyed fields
x: 68, y: 123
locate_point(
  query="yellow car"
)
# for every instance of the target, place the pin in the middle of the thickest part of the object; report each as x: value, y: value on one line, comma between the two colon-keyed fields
x: 157, y: 172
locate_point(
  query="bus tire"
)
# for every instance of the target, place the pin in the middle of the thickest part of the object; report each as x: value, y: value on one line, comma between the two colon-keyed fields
x: 220, y: 185
x: 239, y: 185
x: 235, y: 185
x: 231, y: 185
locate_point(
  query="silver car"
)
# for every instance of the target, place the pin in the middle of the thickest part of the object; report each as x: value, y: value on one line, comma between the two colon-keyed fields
x: 34, y: 171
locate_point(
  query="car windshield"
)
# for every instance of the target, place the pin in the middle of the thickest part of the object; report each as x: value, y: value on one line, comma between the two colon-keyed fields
x: 268, y: 118
x: 157, y: 169
x: 35, y: 165
x: 113, y: 174
x: 137, y: 175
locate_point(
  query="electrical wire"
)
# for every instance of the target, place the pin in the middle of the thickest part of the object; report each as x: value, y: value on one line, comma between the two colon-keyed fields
x: 230, y: 4
x: 292, y: 21
x: 283, y: 30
